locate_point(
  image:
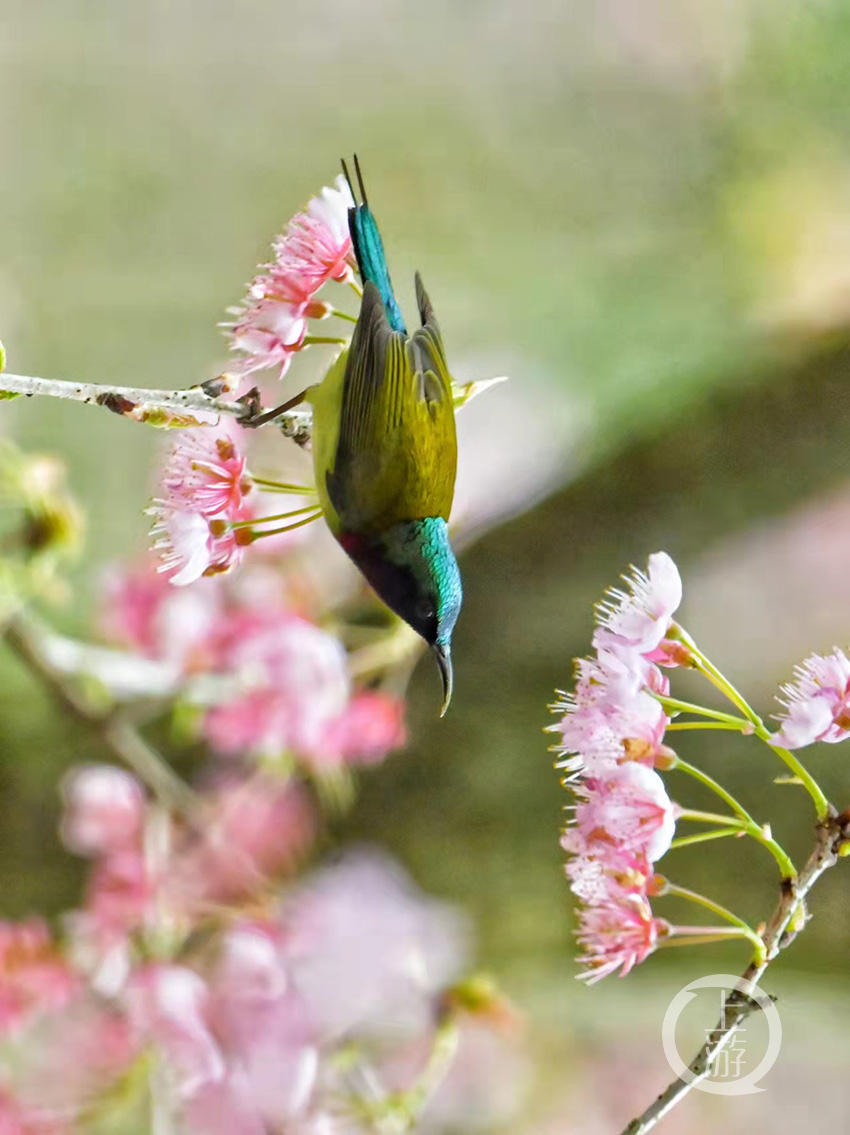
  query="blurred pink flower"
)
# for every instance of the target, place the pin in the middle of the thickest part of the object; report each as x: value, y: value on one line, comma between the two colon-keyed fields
x: 34, y: 977
x: 371, y: 725
x: 120, y: 898
x: 617, y: 935
x: 641, y: 617
x: 73, y: 1058
x: 625, y: 809
x: 262, y: 1023
x: 817, y: 702
x: 257, y: 828
x: 104, y: 810
x: 167, y: 1005
x: 367, y: 951
x: 141, y: 609
x: 18, y: 1119
x: 292, y: 685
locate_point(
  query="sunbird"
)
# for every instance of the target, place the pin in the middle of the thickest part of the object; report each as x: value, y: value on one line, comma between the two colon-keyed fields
x: 385, y: 450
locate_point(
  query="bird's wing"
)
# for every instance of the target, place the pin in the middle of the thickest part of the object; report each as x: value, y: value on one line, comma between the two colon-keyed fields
x: 396, y: 456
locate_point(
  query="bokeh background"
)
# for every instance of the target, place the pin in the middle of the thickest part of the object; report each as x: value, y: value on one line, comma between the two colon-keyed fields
x: 640, y: 211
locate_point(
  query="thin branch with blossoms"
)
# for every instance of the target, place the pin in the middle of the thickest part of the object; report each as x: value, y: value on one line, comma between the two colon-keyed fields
x: 833, y: 836
x: 614, y: 743
x: 210, y: 980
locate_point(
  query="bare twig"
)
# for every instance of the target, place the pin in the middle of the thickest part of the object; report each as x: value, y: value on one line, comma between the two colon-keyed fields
x: 29, y: 644
x: 779, y: 933
x: 198, y: 406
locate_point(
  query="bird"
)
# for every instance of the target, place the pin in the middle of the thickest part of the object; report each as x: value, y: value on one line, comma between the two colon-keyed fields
x: 385, y: 449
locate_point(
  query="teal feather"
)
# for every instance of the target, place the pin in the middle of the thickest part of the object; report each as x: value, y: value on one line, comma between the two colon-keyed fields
x: 369, y: 250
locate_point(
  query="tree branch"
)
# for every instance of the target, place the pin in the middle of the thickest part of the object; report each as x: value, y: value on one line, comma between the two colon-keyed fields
x: 30, y: 645
x: 198, y: 406
x: 778, y: 934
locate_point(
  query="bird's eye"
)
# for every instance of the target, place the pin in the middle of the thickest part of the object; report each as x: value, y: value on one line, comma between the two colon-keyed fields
x: 424, y: 608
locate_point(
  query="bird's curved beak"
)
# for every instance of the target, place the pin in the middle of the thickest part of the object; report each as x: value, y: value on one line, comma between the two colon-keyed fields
x: 443, y: 654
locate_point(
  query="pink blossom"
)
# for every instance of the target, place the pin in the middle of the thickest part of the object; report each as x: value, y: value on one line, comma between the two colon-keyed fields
x: 206, y: 474
x: 367, y: 951
x: 167, y: 1006
x: 611, y: 877
x: 257, y: 828
x: 262, y: 1023
x: 316, y: 246
x: 16, y: 1118
x: 268, y: 334
x: 612, y: 715
x: 120, y: 898
x: 104, y: 810
x: 817, y: 702
x: 617, y: 935
x: 191, y: 545
x: 271, y: 324
x: 371, y: 725
x: 291, y: 682
x: 204, y: 487
x: 74, y: 1057
x: 627, y: 809
x: 34, y: 977
x: 641, y: 617
x: 143, y: 611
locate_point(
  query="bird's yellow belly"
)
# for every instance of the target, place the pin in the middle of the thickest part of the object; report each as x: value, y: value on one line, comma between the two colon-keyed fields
x: 326, y: 401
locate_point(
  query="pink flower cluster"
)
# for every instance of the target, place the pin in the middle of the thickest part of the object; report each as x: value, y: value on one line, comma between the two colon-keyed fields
x: 817, y: 702
x: 204, y: 488
x: 266, y: 682
x: 271, y: 325
x: 247, y: 1029
x: 612, y: 740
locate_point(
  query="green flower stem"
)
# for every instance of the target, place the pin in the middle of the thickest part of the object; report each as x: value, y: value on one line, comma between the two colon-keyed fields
x: 678, y: 706
x: 415, y: 1100
x: 312, y: 340
x: 716, y: 908
x: 277, y: 516
x: 750, y: 826
x: 343, y: 315
x: 287, y: 527
x: 355, y: 287
x: 700, y: 936
x: 707, y: 668
x: 266, y: 483
x: 806, y: 779
x: 712, y: 818
x: 703, y: 837
x: 679, y: 725
x: 709, y: 782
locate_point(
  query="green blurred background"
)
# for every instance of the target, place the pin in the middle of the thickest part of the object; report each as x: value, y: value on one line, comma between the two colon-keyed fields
x: 640, y: 210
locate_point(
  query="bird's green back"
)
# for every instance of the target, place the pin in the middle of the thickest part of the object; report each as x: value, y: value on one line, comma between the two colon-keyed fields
x: 385, y: 446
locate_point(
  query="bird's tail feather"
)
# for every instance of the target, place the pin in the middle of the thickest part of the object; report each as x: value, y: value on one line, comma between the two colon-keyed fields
x: 369, y: 248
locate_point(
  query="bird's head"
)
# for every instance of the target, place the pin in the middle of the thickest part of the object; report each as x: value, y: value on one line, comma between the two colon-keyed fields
x: 413, y: 569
